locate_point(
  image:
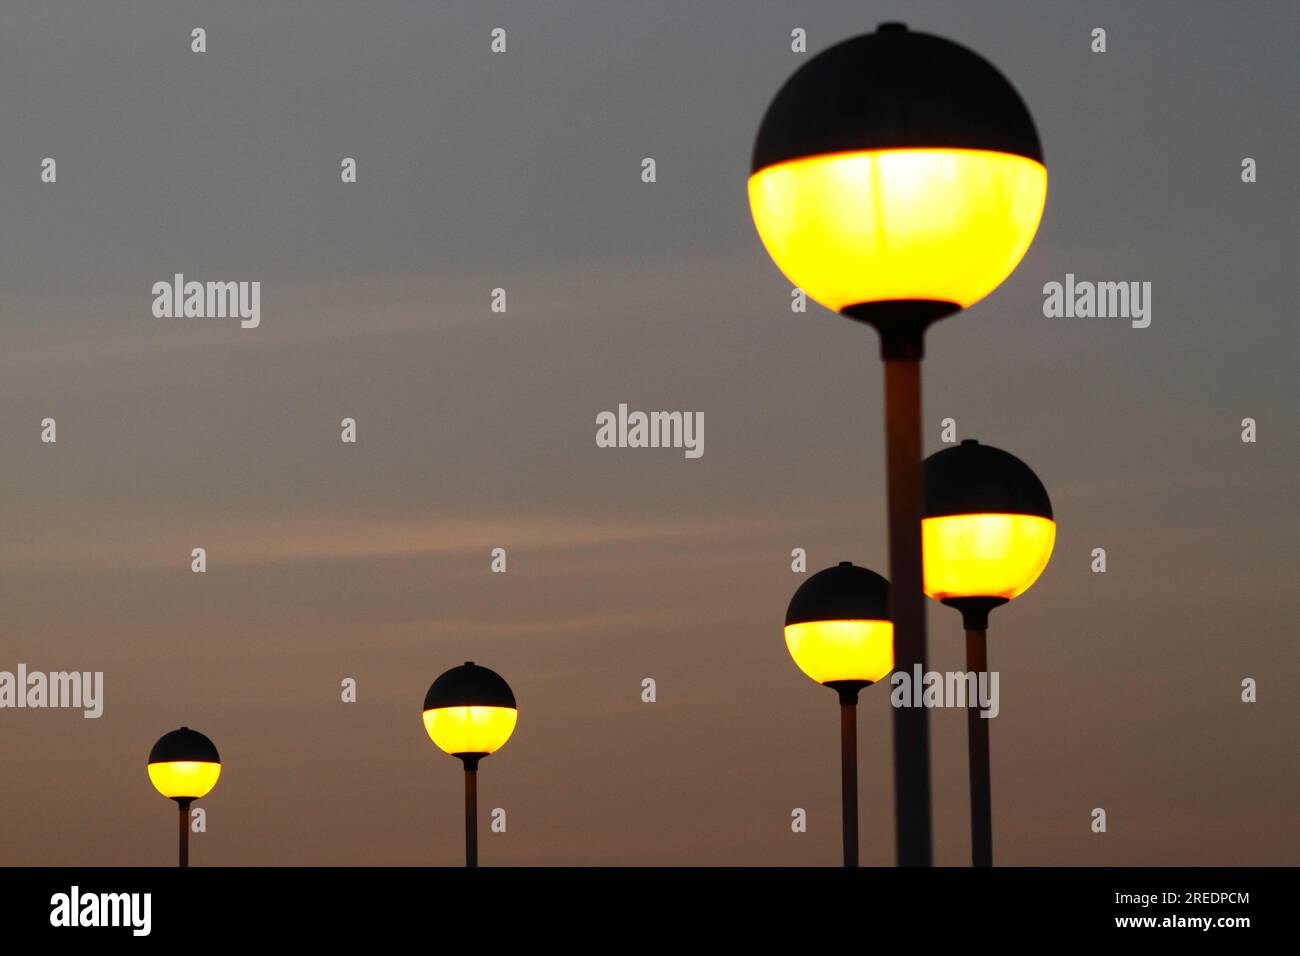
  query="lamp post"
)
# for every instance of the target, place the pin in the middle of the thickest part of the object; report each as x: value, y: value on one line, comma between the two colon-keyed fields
x: 470, y: 712
x: 988, y: 534
x: 183, y: 766
x: 838, y: 631
x: 897, y: 178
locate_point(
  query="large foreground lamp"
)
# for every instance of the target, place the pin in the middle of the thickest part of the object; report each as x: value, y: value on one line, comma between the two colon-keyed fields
x: 470, y: 712
x: 988, y: 534
x: 838, y: 631
x: 183, y: 766
x: 897, y: 178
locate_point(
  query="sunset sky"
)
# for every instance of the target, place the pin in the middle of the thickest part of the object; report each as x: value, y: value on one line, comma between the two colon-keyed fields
x: 477, y: 430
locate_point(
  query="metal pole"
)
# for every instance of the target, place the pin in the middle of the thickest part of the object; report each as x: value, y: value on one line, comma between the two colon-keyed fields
x: 471, y: 814
x: 981, y: 802
x: 184, y: 832
x: 906, y: 496
x: 849, y: 776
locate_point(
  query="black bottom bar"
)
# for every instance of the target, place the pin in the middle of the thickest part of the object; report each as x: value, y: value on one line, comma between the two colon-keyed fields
x: 975, y: 908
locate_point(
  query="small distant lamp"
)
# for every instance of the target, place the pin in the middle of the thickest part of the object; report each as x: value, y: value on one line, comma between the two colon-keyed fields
x: 183, y: 766
x: 838, y: 631
x: 470, y: 712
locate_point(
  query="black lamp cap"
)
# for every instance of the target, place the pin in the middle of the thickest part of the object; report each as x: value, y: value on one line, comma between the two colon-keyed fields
x: 894, y: 89
x: 469, y: 686
x: 184, y: 744
x: 845, y: 592
x: 971, y: 478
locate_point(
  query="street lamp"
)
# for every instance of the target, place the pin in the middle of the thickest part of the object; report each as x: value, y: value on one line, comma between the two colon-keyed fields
x: 988, y: 534
x: 470, y: 712
x: 183, y: 766
x: 838, y: 631
x: 897, y: 178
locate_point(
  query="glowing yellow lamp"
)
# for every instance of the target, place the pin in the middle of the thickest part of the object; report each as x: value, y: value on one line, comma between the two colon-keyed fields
x: 470, y: 712
x: 897, y: 177
x: 837, y: 628
x: 184, y: 765
x: 838, y: 631
x: 988, y: 530
x: 986, y: 535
